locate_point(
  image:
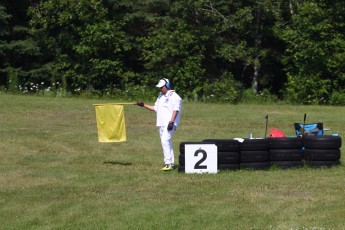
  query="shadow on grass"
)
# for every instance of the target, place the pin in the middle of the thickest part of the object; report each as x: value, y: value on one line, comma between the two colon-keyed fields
x: 117, y: 163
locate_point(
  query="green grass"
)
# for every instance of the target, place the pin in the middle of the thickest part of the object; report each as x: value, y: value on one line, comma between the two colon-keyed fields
x: 55, y: 175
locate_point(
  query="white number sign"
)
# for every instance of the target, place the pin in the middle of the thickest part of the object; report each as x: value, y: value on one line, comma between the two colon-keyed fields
x: 201, y: 158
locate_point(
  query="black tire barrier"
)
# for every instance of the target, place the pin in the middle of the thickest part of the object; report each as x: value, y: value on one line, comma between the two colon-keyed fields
x: 322, y: 142
x: 322, y: 164
x: 254, y: 156
x: 286, y: 154
x: 181, y: 169
x: 225, y: 145
x: 287, y: 164
x: 322, y: 151
x: 315, y: 151
x: 255, y: 165
x: 254, y: 145
x: 322, y: 154
x: 181, y: 160
x: 228, y: 166
x: 285, y: 143
x: 228, y: 157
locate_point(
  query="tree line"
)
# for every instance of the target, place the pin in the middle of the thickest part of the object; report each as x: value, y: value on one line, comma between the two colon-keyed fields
x: 224, y: 50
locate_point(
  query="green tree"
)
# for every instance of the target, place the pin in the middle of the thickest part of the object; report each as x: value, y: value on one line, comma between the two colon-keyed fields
x: 4, y: 30
x: 85, y: 47
x: 315, y: 51
x: 242, y: 29
x: 174, y: 51
x: 20, y: 53
x: 179, y: 45
x: 204, y: 47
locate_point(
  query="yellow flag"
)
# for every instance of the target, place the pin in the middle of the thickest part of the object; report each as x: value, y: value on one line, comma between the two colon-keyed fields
x: 110, y: 123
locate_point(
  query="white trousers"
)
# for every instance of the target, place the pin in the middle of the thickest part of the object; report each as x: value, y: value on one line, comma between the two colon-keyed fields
x: 166, y: 141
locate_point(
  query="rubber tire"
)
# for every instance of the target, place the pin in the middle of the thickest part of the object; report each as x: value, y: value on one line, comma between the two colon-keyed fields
x: 285, y: 143
x: 225, y: 145
x: 287, y: 164
x: 322, y: 142
x: 182, y: 145
x: 322, y: 164
x: 181, y: 160
x: 254, y: 156
x: 286, y: 155
x: 254, y: 145
x: 228, y: 166
x: 322, y: 154
x: 228, y: 157
x: 256, y: 165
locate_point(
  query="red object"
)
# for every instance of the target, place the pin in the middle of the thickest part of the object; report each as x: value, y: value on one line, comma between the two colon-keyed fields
x: 276, y: 133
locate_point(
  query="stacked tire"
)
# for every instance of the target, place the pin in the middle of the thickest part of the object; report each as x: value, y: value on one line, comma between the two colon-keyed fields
x: 228, y: 153
x: 181, y: 157
x: 322, y: 151
x: 254, y: 154
x: 315, y: 151
x: 286, y: 152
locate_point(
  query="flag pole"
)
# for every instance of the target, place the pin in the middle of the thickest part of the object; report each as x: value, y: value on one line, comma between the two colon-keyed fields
x: 133, y: 103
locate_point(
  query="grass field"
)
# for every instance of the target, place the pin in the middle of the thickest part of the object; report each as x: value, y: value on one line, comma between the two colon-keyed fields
x: 55, y: 175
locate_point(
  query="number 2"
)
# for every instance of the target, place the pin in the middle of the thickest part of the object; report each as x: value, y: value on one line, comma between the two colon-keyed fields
x: 204, y: 156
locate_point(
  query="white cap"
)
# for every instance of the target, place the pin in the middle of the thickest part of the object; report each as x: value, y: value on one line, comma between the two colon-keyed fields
x: 162, y: 83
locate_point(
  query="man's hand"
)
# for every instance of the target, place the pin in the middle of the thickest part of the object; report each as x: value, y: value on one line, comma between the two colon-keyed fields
x: 140, y: 103
x: 170, y: 126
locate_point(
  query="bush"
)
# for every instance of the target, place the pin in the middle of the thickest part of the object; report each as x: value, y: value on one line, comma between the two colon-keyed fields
x: 308, y: 90
x: 337, y: 98
x: 225, y: 89
x: 131, y: 93
x: 262, y: 97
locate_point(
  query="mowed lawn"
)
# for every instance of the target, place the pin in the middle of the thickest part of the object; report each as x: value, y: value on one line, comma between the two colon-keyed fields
x: 54, y: 174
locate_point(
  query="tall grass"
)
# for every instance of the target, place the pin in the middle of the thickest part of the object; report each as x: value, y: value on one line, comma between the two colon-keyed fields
x: 55, y: 175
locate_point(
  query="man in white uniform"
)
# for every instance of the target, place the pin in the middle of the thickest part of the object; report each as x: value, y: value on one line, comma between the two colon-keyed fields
x: 168, y: 108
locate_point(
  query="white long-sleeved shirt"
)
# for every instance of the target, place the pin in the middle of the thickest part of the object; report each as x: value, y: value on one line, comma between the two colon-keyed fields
x: 164, y: 107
